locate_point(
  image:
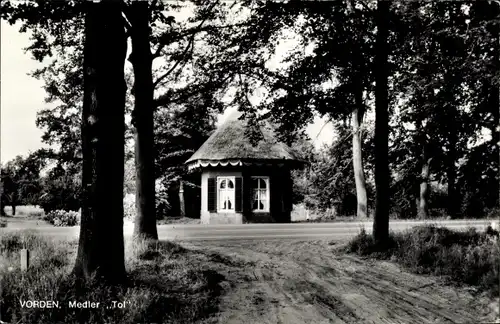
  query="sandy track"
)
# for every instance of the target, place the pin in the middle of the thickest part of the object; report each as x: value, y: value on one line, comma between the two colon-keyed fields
x: 308, y: 282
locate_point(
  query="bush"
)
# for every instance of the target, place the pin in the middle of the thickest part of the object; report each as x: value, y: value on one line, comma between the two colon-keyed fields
x: 63, y: 218
x: 493, y: 213
x: 364, y: 244
x: 163, y: 189
x: 129, y: 207
x: 61, y: 191
x: 53, y: 202
x: 162, y: 205
x: 469, y: 257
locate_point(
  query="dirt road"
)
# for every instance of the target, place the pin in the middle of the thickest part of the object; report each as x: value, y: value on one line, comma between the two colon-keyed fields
x: 244, y: 232
x: 309, y: 282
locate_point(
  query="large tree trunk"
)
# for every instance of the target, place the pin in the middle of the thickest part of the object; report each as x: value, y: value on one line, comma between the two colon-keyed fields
x: 101, y: 247
x: 357, y: 162
x: 382, y: 177
x: 141, y: 58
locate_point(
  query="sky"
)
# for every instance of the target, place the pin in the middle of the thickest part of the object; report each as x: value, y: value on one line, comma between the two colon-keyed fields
x: 21, y: 96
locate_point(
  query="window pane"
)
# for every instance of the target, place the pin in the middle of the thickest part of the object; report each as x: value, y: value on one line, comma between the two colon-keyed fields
x: 230, y: 184
x: 255, y: 195
x: 223, y: 184
x: 255, y: 183
x: 221, y: 200
x: 261, y: 206
x: 262, y: 194
x: 255, y: 204
x: 226, y: 199
x: 263, y: 184
x: 230, y: 199
x: 264, y: 204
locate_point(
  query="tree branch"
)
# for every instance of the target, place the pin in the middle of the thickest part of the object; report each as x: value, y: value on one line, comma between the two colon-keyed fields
x: 183, y: 56
x: 166, y: 98
x: 175, y: 36
x: 128, y: 25
x: 263, y: 76
x: 194, y: 32
x: 153, y: 4
x: 329, y: 120
x: 127, y: 16
x: 245, y: 89
x: 184, y: 53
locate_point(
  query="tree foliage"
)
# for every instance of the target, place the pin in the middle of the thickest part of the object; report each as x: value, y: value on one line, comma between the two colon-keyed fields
x: 442, y: 86
x: 21, y: 179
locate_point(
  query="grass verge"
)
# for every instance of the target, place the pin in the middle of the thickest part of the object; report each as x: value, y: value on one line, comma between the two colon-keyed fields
x: 464, y: 257
x: 29, y: 211
x: 164, y: 285
x: 178, y: 220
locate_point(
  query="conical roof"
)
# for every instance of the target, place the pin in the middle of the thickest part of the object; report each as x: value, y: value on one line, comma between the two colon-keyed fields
x: 229, y: 142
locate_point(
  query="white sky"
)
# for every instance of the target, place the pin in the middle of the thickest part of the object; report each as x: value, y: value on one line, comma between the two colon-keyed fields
x: 21, y: 96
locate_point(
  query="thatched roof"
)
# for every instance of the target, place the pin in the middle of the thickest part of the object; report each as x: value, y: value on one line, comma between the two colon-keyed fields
x: 229, y: 143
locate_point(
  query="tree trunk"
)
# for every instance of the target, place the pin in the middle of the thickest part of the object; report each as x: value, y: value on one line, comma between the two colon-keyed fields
x: 423, y: 206
x: 14, y: 201
x: 182, y: 205
x: 101, y: 247
x: 382, y: 177
x: 357, y: 162
x: 494, y: 95
x: 495, y: 131
x: 451, y: 171
x: 423, y: 199
x: 142, y: 58
x: 452, y: 197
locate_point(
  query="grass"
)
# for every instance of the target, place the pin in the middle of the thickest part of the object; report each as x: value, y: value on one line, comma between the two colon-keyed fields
x: 464, y: 257
x: 299, y: 215
x: 178, y: 220
x: 165, y: 284
x: 27, y: 210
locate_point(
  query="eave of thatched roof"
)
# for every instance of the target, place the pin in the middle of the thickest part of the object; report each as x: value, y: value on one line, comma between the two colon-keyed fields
x: 229, y: 143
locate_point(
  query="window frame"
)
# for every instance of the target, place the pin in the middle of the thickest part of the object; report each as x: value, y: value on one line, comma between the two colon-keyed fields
x: 268, y: 190
x: 218, y: 191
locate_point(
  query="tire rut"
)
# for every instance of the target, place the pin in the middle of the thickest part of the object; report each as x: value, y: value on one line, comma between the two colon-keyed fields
x: 306, y: 282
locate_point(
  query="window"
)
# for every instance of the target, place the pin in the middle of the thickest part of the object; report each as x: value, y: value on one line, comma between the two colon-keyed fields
x: 260, y: 194
x: 225, y: 192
